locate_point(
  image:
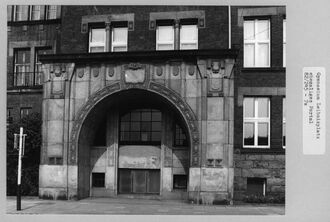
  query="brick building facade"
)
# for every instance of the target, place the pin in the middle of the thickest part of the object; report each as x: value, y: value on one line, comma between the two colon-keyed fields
x: 181, y: 102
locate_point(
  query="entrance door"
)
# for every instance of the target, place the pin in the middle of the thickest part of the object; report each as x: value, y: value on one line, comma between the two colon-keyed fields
x: 139, y: 181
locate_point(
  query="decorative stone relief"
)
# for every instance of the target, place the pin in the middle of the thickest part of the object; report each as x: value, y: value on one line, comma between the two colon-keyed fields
x: 176, y: 70
x: 110, y: 71
x: 159, y: 71
x: 95, y: 71
x: 169, y: 94
x: 81, y: 72
x: 191, y: 70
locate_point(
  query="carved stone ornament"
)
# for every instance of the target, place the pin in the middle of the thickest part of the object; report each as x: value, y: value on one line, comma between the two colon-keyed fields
x: 95, y: 71
x: 58, y: 72
x: 111, y: 71
x: 176, y: 70
x: 215, y: 67
x: 191, y: 70
x: 81, y: 73
x: 159, y: 71
x: 135, y: 66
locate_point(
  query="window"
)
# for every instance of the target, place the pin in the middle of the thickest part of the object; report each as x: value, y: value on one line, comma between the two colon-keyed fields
x: 284, y: 123
x: 25, y: 111
x: 21, y: 12
x: 256, y: 43
x: 179, y: 181
x: 22, y: 75
x: 165, y: 38
x: 97, y: 40
x: 38, y: 68
x: 256, y: 126
x: 141, y: 126
x: 256, y: 186
x: 180, y: 138
x: 9, y: 115
x: 98, y: 179
x: 51, y: 11
x: 188, y: 37
x: 35, y: 12
x: 119, y: 39
x: 284, y: 42
x: 55, y: 161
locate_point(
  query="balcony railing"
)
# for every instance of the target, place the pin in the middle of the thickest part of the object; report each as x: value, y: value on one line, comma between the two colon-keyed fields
x: 27, y: 79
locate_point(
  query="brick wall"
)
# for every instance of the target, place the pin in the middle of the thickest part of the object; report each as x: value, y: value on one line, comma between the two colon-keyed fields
x: 214, y: 35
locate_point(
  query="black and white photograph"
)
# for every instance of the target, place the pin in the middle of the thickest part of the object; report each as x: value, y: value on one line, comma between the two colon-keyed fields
x: 157, y: 109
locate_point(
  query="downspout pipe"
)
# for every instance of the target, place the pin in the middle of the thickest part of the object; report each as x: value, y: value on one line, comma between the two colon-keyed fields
x: 229, y: 26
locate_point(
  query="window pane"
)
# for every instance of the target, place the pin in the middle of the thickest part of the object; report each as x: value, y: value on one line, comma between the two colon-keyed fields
x: 119, y: 48
x: 263, y: 30
x: 248, y: 30
x: 248, y: 55
x: 97, y: 35
x: 188, y: 33
x: 262, y: 134
x: 135, y: 116
x: 249, y: 107
x: 145, y: 136
x: 124, y: 126
x: 263, y: 107
x: 188, y: 46
x: 156, y: 116
x: 119, y: 35
x: 165, y: 46
x: 146, y: 116
x: 165, y: 33
x: 135, y: 136
x: 145, y: 126
x: 283, y: 134
x: 124, y: 136
x: 97, y: 49
x: 284, y: 55
x: 35, y: 12
x: 248, y: 134
x: 126, y: 117
x: 156, y: 126
x: 155, y: 136
x: 135, y: 126
x: 263, y: 54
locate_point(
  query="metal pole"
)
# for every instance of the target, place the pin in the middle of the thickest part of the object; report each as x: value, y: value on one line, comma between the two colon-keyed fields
x: 18, y: 200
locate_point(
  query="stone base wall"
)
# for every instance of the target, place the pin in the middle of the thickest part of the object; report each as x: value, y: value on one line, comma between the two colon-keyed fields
x: 268, y: 166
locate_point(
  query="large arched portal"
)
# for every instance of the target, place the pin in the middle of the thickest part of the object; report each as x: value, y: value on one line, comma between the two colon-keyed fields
x: 134, y: 142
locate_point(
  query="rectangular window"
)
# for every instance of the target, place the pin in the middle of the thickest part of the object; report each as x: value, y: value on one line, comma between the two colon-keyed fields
x: 51, y: 11
x: 97, y: 40
x: 55, y: 161
x: 119, y: 39
x: 98, y: 179
x: 37, y: 67
x: 22, y: 75
x: 256, y: 186
x: 179, y: 181
x: 142, y: 126
x: 9, y: 115
x: 35, y: 11
x: 284, y: 42
x: 25, y: 111
x: 284, y: 123
x: 256, y: 127
x: 21, y: 12
x: 188, y: 37
x: 165, y: 38
x: 256, y: 43
x: 180, y: 138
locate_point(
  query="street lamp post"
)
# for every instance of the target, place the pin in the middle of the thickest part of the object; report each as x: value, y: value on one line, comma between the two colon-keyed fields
x: 20, y: 147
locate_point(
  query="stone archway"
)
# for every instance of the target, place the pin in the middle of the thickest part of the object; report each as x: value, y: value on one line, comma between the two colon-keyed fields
x: 171, y: 96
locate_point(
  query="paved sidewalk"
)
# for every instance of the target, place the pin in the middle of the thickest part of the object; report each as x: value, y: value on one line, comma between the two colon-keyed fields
x: 33, y: 205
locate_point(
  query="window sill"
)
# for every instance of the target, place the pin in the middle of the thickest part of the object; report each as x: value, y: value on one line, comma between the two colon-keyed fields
x: 263, y: 69
x: 262, y: 150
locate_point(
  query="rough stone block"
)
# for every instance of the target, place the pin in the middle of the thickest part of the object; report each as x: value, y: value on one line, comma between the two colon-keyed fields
x: 214, y: 179
x: 194, y: 179
x: 215, y: 108
x: 276, y: 181
x: 255, y: 173
x: 55, y: 131
x: 237, y: 172
x: 280, y: 157
x: 55, y: 109
x: 167, y: 179
x: 277, y: 189
x: 52, y: 176
x: 253, y: 157
x: 261, y: 164
x: 267, y: 157
x: 276, y: 164
x: 217, y: 131
x: 244, y: 164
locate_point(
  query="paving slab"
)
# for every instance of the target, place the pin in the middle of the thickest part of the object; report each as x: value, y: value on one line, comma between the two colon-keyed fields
x: 124, y: 206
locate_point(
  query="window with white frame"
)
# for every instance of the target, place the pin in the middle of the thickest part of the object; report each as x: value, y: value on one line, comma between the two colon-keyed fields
x: 284, y: 42
x: 257, y: 43
x: 21, y: 12
x: 165, y: 38
x: 284, y: 123
x: 22, y: 75
x: 256, y: 127
x: 35, y: 12
x: 119, y: 39
x: 188, y: 37
x: 97, y: 38
x: 51, y: 11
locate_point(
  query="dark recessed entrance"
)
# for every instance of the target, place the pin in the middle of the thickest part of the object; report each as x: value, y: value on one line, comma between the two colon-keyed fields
x: 139, y: 181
